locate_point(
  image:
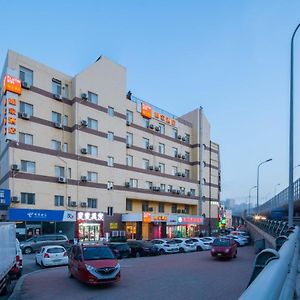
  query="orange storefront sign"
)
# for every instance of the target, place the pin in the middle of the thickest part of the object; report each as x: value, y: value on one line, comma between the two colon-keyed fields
x: 12, y: 84
x: 146, y: 111
x: 146, y: 217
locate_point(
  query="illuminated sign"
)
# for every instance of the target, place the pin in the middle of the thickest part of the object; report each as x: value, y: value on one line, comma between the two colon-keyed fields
x: 10, y: 117
x: 146, y: 111
x: 191, y: 220
x: 113, y: 225
x: 146, y: 217
x: 165, y: 119
x: 12, y: 84
x: 87, y: 216
x: 160, y: 218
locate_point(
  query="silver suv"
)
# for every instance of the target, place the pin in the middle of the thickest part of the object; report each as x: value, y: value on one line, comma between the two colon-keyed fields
x: 36, y: 242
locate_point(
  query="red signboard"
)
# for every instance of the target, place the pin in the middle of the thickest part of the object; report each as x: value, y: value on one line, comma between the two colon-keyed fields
x: 12, y: 84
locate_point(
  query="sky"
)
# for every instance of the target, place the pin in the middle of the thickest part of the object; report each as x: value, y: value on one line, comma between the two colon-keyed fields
x: 230, y: 57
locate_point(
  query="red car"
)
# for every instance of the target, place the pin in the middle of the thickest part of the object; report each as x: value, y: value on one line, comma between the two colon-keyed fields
x: 224, y: 247
x: 93, y: 264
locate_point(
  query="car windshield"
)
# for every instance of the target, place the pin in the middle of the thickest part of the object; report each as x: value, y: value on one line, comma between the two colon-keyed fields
x: 189, y: 242
x: 223, y: 242
x: 171, y: 242
x: 95, y: 253
x: 56, y: 250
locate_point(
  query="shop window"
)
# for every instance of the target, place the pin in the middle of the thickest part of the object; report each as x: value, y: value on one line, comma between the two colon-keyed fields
x: 58, y: 200
x: 92, y: 97
x: 161, y: 207
x: 28, y: 198
x: 26, y: 75
x: 28, y: 166
x: 92, y: 123
x: 110, y: 211
x: 92, y: 203
x: 174, y: 208
x: 129, y: 204
x: 26, y: 138
x: 26, y: 108
x: 145, y: 206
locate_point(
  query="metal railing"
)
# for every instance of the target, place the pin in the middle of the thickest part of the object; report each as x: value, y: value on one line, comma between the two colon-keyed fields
x: 273, y: 227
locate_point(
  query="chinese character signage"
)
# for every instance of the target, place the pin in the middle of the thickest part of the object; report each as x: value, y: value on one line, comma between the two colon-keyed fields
x: 87, y: 216
x: 4, y: 197
x: 12, y: 84
x: 10, y: 117
x: 146, y: 111
x: 146, y: 217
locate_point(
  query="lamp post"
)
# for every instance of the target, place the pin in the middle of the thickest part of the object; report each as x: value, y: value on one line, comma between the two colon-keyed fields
x: 257, y: 184
x: 291, y: 141
x: 275, y: 187
x: 254, y: 187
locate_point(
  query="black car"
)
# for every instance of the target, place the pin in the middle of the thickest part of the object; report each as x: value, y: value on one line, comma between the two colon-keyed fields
x: 142, y: 248
x: 120, y: 250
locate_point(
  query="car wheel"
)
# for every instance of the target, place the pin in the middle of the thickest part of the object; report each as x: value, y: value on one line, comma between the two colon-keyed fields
x: 199, y: 248
x: 161, y: 251
x: 28, y: 250
x: 36, y: 262
x: 70, y: 273
x: 181, y: 250
x: 42, y: 264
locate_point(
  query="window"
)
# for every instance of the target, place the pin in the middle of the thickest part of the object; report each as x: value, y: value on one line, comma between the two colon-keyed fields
x: 193, y: 192
x: 110, y: 211
x: 129, y: 160
x: 129, y: 138
x: 161, y: 128
x: 56, y: 145
x: 65, y: 148
x: 161, y: 148
x: 28, y: 166
x: 170, y: 187
x: 66, y: 91
x: 26, y: 138
x: 149, y: 185
x: 187, y: 209
x: 93, y: 124
x: 58, y: 200
x: 65, y: 120
x: 110, y: 161
x: 28, y: 198
x: 56, y: 117
x: 187, y: 173
x: 69, y: 200
x: 174, y: 208
x: 110, y: 136
x: 174, y: 170
x: 92, y: 150
x: 174, y: 151
x: 187, y: 138
x: 133, y: 183
x: 110, y: 111
x: 161, y: 167
x: 162, y: 187
x: 92, y: 202
x: 187, y: 156
x: 145, y: 206
x: 26, y: 108
x: 129, y: 116
x: 56, y: 86
x: 146, y: 123
x: 145, y: 163
x: 59, y: 171
x: 145, y: 143
x: 161, y: 207
x: 92, y: 97
x: 26, y: 75
x: 174, y: 133
x: 92, y: 176
x: 129, y: 204
x: 110, y: 185
x: 69, y: 173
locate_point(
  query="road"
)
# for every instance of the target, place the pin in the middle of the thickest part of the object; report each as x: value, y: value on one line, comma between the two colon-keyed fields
x: 179, y: 276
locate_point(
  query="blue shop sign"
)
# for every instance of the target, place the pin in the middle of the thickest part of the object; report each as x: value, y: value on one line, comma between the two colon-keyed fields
x: 4, y: 197
x: 19, y: 214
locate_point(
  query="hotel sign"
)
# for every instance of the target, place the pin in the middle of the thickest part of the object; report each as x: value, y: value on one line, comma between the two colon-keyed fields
x: 12, y: 84
x: 10, y: 117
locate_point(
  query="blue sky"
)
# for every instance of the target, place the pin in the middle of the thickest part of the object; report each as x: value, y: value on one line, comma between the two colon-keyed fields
x: 231, y: 57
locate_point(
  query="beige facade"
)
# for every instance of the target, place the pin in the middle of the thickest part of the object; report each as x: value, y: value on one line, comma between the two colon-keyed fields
x: 108, y: 138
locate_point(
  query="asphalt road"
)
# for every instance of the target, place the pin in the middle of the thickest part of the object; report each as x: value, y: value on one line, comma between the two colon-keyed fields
x: 179, y: 276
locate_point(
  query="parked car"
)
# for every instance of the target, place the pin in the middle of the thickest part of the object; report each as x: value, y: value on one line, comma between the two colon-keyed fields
x: 185, y: 245
x: 243, y: 234
x: 16, y: 270
x: 142, y: 248
x: 35, y: 243
x: 224, y: 247
x: 165, y: 246
x: 240, y: 241
x: 120, y: 250
x: 93, y: 264
x: 201, y: 244
x: 52, y: 256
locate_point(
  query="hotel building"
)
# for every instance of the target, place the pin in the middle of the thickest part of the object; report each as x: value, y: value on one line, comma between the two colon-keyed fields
x: 82, y: 156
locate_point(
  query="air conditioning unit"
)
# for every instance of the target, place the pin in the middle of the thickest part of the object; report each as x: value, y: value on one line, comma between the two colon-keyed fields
x: 73, y: 203
x: 58, y: 97
x: 127, y: 184
x: 61, y: 179
x: 83, y: 150
x: 84, y: 123
x: 150, y: 208
x: 183, y: 139
x: 150, y: 167
x: 183, y: 174
x: 156, y: 169
x: 150, y: 147
x: 25, y: 85
x: 83, y: 178
x: 128, y: 123
x: 23, y: 115
x: 179, y: 155
x: 15, y: 199
x: 183, y: 157
x: 128, y: 145
x: 15, y: 168
x: 58, y: 125
x: 179, y: 137
x: 84, y: 96
x: 151, y: 126
x: 179, y: 174
x: 83, y: 204
x: 156, y: 128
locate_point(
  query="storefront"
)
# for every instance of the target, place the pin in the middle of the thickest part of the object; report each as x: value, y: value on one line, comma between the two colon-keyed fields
x: 31, y: 222
x: 89, y: 226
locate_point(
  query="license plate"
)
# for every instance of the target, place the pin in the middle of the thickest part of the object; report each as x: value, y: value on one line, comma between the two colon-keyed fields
x: 56, y: 260
x: 219, y: 254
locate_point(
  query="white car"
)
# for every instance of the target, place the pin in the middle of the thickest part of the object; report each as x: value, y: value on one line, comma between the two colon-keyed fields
x: 239, y: 240
x: 52, y: 256
x: 165, y: 246
x: 185, y: 245
x: 201, y: 244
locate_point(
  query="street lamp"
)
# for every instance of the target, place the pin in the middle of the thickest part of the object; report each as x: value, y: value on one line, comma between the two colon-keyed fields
x: 278, y: 184
x: 254, y: 187
x: 291, y: 142
x: 257, y: 190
